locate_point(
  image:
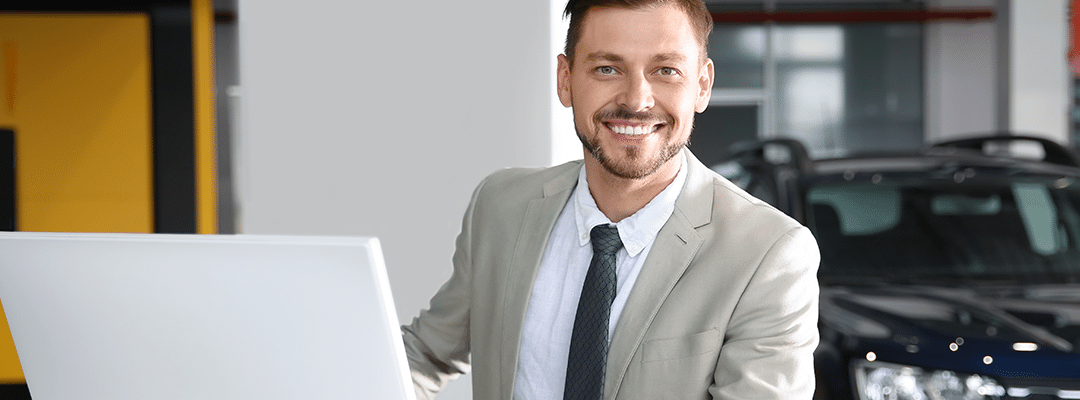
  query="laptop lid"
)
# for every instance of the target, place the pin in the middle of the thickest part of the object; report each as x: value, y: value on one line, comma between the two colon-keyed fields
x: 156, y: 316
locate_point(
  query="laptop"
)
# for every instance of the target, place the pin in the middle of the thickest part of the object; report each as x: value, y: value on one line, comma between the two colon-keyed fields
x: 158, y: 316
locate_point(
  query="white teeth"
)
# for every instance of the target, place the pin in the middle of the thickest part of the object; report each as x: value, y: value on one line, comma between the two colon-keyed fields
x: 631, y: 130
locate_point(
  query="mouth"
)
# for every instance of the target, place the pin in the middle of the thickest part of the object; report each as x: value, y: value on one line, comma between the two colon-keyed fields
x: 633, y: 128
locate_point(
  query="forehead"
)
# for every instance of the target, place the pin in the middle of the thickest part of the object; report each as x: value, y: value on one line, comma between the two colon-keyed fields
x: 645, y: 32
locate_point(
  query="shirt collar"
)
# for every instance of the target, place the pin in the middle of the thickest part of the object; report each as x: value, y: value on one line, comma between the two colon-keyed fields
x: 636, y: 231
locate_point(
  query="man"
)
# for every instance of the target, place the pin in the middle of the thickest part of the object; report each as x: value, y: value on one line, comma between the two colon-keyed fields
x: 704, y: 291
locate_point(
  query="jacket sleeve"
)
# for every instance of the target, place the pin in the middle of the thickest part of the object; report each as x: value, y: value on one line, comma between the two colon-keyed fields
x: 437, y: 341
x: 768, y: 352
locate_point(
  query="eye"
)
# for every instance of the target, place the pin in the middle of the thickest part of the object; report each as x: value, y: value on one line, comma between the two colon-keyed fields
x: 606, y: 70
x: 667, y: 71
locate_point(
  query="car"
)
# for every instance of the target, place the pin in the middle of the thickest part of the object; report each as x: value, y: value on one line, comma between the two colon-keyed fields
x: 952, y: 272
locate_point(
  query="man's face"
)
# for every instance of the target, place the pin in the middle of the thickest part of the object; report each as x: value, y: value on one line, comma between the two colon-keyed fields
x: 637, y: 80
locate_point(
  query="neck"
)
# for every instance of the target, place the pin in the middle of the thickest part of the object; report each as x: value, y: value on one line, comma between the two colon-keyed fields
x: 619, y: 197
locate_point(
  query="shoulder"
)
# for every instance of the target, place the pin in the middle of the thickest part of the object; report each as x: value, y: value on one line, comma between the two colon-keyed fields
x: 728, y: 204
x: 741, y: 221
x: 530, y: 182
x: 533, y: 174
x: 510, y: 190
x: 731, y: 198
x: 782, y: 241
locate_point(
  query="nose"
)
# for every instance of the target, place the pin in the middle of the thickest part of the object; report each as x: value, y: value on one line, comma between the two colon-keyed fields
x: 638, y: 95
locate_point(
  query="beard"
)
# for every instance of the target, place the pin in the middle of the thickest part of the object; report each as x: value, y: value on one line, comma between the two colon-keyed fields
x: 635, y: 164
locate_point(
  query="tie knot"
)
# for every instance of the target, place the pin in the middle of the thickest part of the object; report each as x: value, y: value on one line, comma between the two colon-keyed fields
x: 605, y: 239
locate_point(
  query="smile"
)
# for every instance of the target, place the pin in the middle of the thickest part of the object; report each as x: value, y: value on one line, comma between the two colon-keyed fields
x: 633, y: 130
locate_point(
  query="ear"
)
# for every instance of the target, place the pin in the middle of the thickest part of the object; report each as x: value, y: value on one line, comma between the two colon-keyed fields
x: 705, y: 80
x: 562, y: 79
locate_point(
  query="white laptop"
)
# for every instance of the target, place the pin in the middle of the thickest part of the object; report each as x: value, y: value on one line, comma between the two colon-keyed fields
x: 154, y: 316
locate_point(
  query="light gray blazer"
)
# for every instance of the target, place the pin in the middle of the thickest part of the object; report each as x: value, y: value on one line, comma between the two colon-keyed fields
x: 725, y: 307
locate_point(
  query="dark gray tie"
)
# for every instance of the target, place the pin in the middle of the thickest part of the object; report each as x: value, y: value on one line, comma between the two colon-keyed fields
x: 589, y: 342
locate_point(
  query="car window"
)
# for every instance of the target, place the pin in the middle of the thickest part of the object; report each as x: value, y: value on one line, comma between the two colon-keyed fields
x: 1039, y: 216
x: 995, y: 227
x: 861, y: 209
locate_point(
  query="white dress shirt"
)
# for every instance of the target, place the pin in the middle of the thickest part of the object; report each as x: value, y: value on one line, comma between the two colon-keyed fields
x: 549, y: 321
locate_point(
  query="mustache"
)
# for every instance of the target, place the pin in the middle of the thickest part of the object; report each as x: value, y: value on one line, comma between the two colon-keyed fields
x: 625, y: 114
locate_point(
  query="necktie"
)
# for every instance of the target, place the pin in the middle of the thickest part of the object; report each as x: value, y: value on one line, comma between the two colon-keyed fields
x: 589, y: 341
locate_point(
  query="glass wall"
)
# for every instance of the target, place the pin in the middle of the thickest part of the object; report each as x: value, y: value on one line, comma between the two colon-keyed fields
x: 839, y: 88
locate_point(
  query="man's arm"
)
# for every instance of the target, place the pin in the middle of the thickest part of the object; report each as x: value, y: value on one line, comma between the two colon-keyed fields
x: 769, y: 349
x: 437, y: 341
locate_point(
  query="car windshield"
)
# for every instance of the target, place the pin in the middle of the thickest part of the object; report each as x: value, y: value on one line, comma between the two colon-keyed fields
x: 959, y: 229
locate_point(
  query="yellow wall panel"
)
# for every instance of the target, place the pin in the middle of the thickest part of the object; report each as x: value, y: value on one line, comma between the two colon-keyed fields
x: 82, y: 119
x: 202, y: 39
x: 77, y: 94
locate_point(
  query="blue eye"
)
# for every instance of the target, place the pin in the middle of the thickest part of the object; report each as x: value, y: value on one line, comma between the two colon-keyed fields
x: 605, y: 70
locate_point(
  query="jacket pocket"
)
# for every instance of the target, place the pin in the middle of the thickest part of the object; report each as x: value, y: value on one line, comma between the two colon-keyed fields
x: 676, y: 348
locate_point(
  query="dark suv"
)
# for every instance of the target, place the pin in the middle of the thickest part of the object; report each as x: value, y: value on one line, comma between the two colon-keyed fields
x: 953, y: 273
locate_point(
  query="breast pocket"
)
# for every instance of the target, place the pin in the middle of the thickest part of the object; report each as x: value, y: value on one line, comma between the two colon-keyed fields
x: 684, y: 347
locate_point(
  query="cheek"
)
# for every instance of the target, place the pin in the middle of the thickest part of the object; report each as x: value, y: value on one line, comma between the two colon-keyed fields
x: 679, y: 96
x: 682, y: 106
x: 583, y: 118
x: 586, y: 106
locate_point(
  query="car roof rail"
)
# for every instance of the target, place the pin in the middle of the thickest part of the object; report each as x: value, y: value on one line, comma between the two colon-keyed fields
x: 796, y: 154
x: 1053, y: 152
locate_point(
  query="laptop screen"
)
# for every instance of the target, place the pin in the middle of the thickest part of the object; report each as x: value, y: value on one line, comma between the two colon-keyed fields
x: 155, y: 316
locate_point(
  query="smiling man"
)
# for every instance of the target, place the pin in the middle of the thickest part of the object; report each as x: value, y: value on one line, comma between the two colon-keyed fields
x: 635, y: 273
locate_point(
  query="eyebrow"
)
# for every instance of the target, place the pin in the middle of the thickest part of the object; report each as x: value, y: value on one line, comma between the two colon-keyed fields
x: 676, y: 57
x: 612, y: 57
x: 604, y: 56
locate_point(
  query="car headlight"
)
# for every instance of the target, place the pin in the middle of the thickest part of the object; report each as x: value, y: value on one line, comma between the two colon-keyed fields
x: 885, y: 381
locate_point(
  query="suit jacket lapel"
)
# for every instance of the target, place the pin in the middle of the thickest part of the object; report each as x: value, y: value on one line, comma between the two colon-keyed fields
x: 675, y: 247
x: 536, y: 227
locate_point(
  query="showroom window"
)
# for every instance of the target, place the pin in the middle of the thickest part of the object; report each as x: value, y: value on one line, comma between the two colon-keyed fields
x: 839, y: 87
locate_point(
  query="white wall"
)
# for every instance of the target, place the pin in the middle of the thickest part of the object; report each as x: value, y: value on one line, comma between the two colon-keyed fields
x: 379, y: 118
x: 961, y: 87
x: 1038, y: 74
x: 1009, y: 74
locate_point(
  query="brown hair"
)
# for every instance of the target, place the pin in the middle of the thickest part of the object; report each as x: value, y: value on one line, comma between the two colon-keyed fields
x: 700, y: 18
